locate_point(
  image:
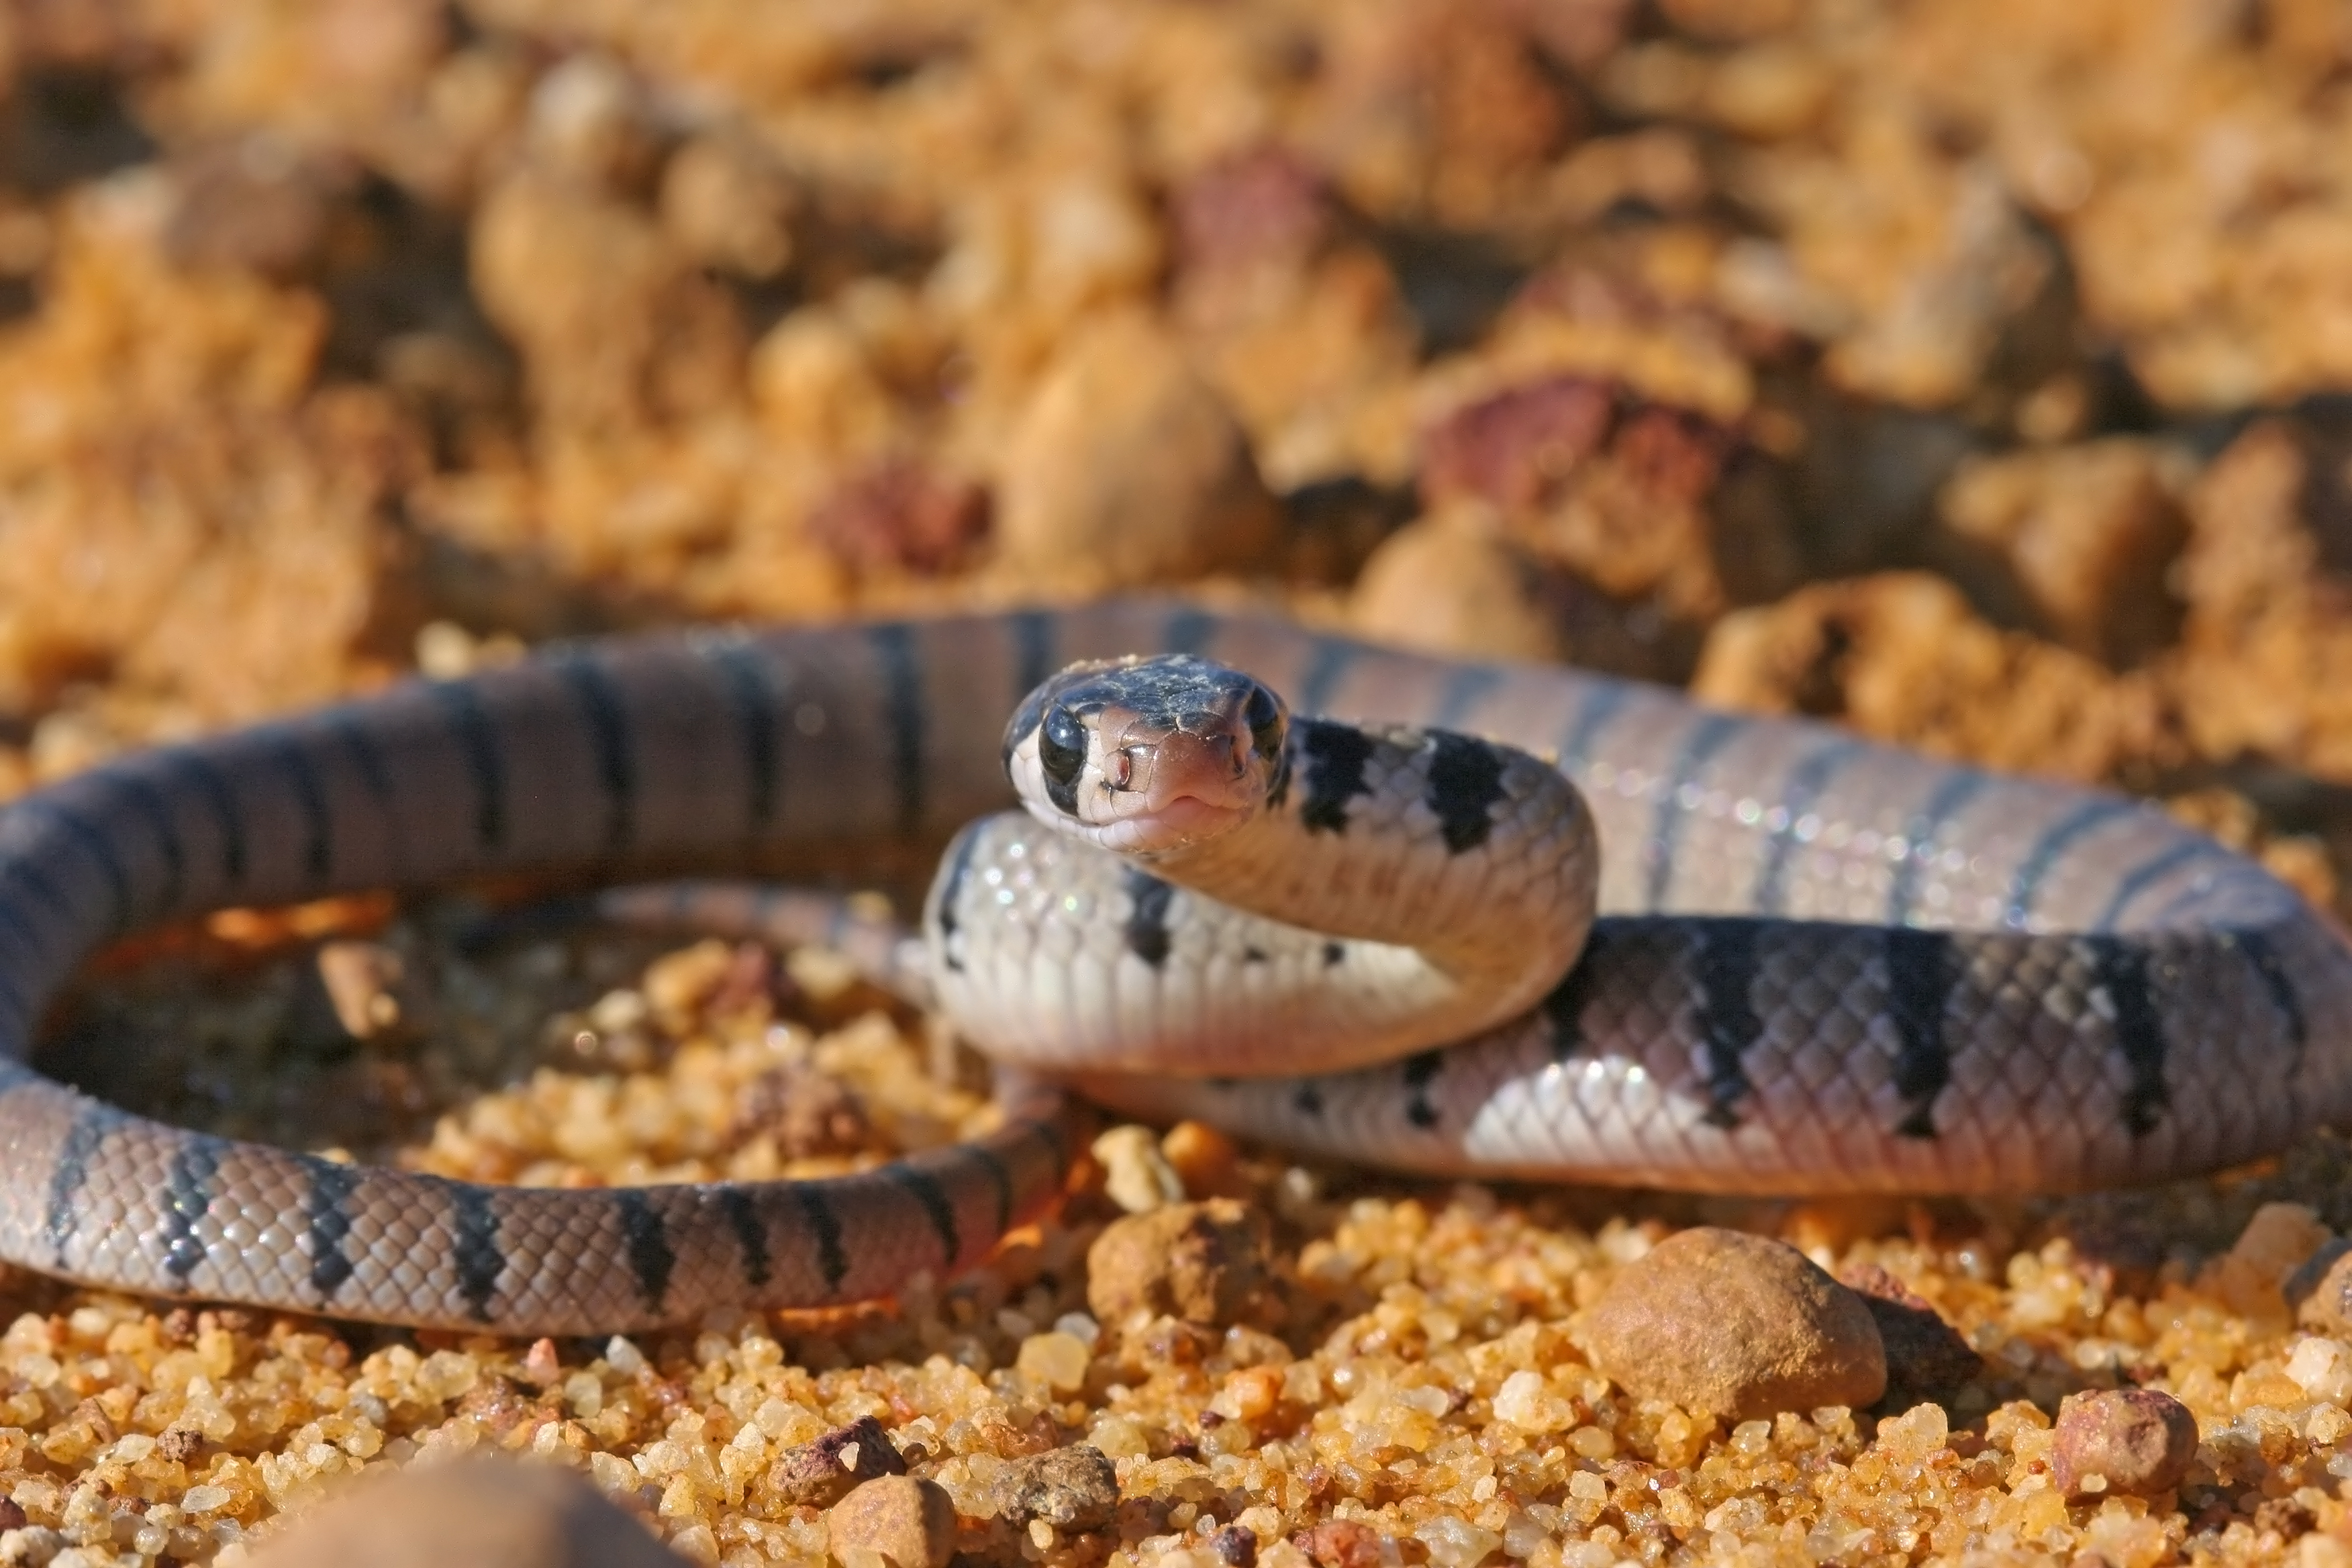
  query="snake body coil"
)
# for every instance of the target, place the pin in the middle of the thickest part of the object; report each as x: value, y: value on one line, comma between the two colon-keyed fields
x: 1819, y: 965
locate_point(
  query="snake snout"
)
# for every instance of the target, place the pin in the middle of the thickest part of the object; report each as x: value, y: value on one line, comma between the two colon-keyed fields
x: 1210, y: 769
x: 1216, y: 735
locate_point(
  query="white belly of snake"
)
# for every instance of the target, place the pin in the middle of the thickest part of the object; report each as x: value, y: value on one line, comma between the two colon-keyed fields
x: 1819, y: 965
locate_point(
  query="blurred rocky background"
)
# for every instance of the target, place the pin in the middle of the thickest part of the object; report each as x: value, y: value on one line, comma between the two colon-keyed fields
x: 1967, y: 370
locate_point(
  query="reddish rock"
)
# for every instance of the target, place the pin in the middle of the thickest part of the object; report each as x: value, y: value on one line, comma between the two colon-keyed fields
x: 1259, y: 208
x: 2133, y: 1440
x: 899, y: 516
x: 1513, y: 447
x: 1341, y: 1543
x: 1924, y: 1353
x: 820, y: 1473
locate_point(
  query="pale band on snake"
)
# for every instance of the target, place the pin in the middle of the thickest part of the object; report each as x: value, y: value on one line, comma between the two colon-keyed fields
x: 1818, y: 965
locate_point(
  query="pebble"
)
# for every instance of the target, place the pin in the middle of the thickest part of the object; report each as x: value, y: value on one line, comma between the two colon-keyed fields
x: 2131, y: 1441
x: 1924, y: 1353
x: 1235, y: 1547
x: 2320, y: 1290
x: 1203, y: 1159
x: 2074, y: 541
x: 898, y: 516
x: 258, y: 205
x: 1072, y: 1489
x: 1341, y: 1543
x: 362, y: 981
x: 822, y: 1472
x: 31, y: 1546
x: 1137, y: 1174
x: 726, y: 205
x: 903, y: 1521
x: 1450, y: 588
x: 476, y: 1513
x: 1199, y: 1262
x: 810, y: 1114
x: 1735, y: 1325
x: 1128, y: 469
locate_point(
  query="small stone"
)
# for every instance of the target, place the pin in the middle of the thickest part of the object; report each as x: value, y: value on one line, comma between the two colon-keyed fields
x: 1457, y: 589
x: 542, y: 1364
x: 1127, y: 469
x: 476, y: 1513
x: 1056, y: 1359
x: 900, y: 517
x: 2133, y: 1440
x: 2285, y: 1516
x: 2320, y: 1290
x: 1341, y: 1543
x: 1235, y: 1546
x: 1902, y: 656
x: 1258, y: 209
x: 1136, y: 1173
x: 2073, y: 542
x: 1203, y: 1159
x: 725, y: 204
x: 1729, y: 1324
x: 908, y: 1521
x: 258, y: 203
x: 2278, y: 1240
x: 809, y: 1114
x: 1525, y: 1401
x: 1197, y: 1262
x: 1924, y: 1353
x: 33, y: 1546
x: 814, y: 1474
x: 1514, y: 446
x: 362, y: 981
x: 1072, y: 1489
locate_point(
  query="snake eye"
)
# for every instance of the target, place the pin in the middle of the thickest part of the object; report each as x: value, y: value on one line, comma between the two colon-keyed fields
x: 1061, y: 747
x: 1264, y: 717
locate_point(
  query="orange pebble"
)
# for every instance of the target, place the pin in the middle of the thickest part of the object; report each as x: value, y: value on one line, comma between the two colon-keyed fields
x: 1835, y: 1224
x: 1203, y: 1157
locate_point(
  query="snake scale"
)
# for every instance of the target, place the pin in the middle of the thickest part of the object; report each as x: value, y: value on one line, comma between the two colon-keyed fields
x: 1819, y: 964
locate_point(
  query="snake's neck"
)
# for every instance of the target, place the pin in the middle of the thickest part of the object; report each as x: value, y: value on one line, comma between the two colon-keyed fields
x: 1478, y: 855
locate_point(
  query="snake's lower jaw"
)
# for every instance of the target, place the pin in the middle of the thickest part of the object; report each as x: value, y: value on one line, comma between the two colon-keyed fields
x: 1171, y: 826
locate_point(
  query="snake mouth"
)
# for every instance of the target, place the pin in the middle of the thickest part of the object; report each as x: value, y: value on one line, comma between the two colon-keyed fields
x: 1174, y: 824
x: 1178, y: 788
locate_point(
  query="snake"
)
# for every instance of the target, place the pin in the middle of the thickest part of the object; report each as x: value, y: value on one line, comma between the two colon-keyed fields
x: 1429, y: 914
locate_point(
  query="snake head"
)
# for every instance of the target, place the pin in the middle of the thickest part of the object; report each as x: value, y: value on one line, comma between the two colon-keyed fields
x: 1146, y: 755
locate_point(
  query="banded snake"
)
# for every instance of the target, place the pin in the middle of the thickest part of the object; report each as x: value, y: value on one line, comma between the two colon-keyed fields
x: 1818, y: 965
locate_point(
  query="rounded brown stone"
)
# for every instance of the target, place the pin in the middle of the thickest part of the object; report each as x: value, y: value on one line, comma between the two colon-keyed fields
x: 907, y: 1522
x: 1197, y: 1262
x: 1456, y: 589
x: 479, y: 1513
x: 1128, y: 469
x: 1733, y: 1325
x: 2134, y: 1440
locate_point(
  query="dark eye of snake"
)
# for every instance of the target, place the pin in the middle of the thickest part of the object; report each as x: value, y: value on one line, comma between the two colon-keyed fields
x: 1061, y: 746
x: 1264, y: 716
